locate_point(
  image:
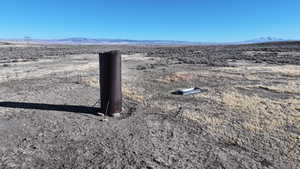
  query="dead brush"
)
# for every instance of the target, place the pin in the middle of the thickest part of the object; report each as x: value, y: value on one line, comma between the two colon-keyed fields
x: 174, y: 77
x: 90, y: 81
x: 290, y: 87
x: 133, y: 94
x: 263, y: 114
x: 202, y: 118
x: 283, y: 70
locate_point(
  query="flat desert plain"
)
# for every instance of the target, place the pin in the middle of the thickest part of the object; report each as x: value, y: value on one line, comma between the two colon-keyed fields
x: 248, y: 116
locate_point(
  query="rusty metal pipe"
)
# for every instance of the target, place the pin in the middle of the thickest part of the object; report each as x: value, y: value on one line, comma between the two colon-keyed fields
x: 110, y: 82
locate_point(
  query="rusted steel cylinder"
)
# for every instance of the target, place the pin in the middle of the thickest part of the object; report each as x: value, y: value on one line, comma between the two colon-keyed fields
x: 110, y: 82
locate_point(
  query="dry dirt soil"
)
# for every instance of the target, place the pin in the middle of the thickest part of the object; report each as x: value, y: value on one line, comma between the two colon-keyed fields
x: 249, y: 116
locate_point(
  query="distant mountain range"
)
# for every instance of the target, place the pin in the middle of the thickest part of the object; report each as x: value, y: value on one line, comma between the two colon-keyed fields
x: 265, y: 39
x: 136, y: 42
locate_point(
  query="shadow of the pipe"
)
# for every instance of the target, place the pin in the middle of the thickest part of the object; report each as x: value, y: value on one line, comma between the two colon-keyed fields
x: 52, y: 107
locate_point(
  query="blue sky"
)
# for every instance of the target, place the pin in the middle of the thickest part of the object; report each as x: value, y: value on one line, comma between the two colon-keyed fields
x: 191, y: 20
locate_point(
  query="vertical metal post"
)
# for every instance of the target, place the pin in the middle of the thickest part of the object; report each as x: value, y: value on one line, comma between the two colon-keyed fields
x: 110, y: 82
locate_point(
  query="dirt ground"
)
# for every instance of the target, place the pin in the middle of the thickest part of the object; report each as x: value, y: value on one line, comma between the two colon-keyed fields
x: 249, y: 116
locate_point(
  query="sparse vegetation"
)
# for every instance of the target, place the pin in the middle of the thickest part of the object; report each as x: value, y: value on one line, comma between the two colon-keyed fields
x: 132, y: 93
x: 175, y: 77
x: 248, y: 118
x: 90, y: 81
x: 290, y: 87
x: 263, y: 114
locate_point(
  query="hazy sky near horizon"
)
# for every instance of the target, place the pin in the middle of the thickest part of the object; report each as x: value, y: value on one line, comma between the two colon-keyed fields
x: 191, y: 20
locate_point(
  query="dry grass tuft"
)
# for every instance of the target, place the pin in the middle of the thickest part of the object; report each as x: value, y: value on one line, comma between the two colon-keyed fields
x: 178, y: 76
x: 283, y: 70
x: 288, y: 70
x: 90, y: 81
x: 202, y: 118
x: 291, y: 87
x: 264, y: 114
x: 133, y: 94
x: 215, y: 125
x: 166, y: 107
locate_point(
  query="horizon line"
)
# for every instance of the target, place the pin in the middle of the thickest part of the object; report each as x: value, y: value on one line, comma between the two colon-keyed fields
x: 266, y: 38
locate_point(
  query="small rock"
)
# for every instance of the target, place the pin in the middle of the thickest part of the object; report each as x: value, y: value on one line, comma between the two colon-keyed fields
x: 117, y: 115
x: 100, y: 114
x: 160, y: 161
x: 105, y: 120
